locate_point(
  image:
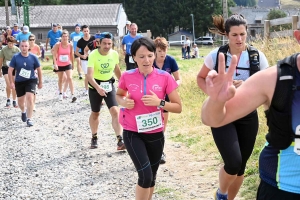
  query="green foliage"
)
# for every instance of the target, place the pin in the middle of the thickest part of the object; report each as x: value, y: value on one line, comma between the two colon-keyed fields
x: 276, y: 14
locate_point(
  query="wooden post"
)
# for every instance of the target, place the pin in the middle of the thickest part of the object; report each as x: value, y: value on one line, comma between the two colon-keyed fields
x: 6, y: 12
x: 294, y: 22
x: 267, y: 29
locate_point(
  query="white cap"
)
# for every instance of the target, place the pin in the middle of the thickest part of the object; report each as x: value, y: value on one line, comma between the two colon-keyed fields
x: 128, y: 22
x: 25, y: 29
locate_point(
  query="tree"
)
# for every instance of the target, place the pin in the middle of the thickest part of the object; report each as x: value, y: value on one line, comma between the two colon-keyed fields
x: 276, y: 14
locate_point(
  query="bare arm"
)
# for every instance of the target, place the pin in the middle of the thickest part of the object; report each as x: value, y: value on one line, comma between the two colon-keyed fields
x: 226, y: 104
x: 124, y: 49
x: 72, y: 55
x: 1, y: 64
x: 92, y: 81
x: 177, y: 77
x: 123, y: 99
x: 47, y: 41
x: 86, y: 50
x: 10, y: 77
x: 54, y: 53
x: 39, y: 51
x: 201, y: 77
x: 39, y: 72
x: 117, y: 72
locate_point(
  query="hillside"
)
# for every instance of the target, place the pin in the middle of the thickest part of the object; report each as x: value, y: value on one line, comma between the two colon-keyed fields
x: 290, y: 3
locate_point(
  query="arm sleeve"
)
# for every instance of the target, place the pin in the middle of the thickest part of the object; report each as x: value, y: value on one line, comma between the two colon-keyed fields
x: 210, y: 59
x: 123, y: 40
x: 263, y: 62
x: 174, y: 66
x: 171, y: 84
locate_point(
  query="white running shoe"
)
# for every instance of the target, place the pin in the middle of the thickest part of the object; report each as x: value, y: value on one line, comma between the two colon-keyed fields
x: 60, y: 97
x: 86, y: 93
x: 65, y: 95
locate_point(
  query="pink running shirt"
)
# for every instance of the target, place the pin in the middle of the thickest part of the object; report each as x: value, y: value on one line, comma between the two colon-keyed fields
x: 158, y: 81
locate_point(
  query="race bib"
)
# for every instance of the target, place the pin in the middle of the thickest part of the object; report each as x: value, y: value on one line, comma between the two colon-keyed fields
x: 297, y: 141
x: 63, y: 58
x: 25, y: 73
x: 107, y: 86
x: 131, y: 59
x: 76, y: 38
x: 149, y: 122
x: 7, y: 63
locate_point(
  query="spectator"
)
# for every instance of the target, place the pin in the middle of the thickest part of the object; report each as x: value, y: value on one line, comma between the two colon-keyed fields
x: 15, y: 30
x: 196, y: 51
x: 188, y: 48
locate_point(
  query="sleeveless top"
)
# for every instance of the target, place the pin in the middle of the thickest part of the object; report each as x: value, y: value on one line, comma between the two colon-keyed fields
x: 63, y: 56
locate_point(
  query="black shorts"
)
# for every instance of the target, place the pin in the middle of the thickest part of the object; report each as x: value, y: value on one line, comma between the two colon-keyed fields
x: 96, y: 99
x: 25, y: 86
x: 75, y: 56
x: 5, y: 71
x: 129, y: 65
x: 268, y: 192
x: 63, y: 68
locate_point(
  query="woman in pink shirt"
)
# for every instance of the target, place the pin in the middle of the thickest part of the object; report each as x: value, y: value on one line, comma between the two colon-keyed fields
x: 142, y: 92
x: 64, y: 62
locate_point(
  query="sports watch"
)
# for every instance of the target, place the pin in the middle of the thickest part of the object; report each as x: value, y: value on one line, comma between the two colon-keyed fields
x: 162, y: 103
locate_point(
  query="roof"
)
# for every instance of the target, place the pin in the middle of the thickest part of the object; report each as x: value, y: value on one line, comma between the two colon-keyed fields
x: 182, y: 32
x: 68, y: 15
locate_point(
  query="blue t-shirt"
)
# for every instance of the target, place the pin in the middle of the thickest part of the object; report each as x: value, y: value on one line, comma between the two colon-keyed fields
x: 15, y: 33
x: 54, y: 37
x: 74, y: 38
x: 170, y: 65
x: 21, y: 36
x: 128, y: 40
x: 281, y: 168
x: 24, y: 66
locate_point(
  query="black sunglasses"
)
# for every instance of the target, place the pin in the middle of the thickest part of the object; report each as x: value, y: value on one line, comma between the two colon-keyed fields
x: 31, y: 39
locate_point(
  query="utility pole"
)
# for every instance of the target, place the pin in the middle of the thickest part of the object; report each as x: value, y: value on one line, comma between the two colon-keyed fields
x: 26, y: 12
x: 225, y: 14
x: 6, y: 12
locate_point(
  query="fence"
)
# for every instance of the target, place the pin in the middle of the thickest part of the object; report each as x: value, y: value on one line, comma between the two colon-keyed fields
x: 294, y: 20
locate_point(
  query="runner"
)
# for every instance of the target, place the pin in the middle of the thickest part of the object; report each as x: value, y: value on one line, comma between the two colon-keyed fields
x: 235, y: 141
x: 81, y: 44
x: 25, y: 63
x: 103, y: 63
x: 6, y: 55
x: 142, y: 91
x: 15, y: 30
x: 126, y: 45
x: 75, y: 36
x: 24, y: 35
x: 34, y: 49
x: 167, y: 63
x: 278, y: 89
x: 53, y: 36
x: 64, y: 63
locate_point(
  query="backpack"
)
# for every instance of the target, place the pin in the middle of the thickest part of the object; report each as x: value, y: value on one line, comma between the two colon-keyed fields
x: 279, y: 115
x: 253, y: 58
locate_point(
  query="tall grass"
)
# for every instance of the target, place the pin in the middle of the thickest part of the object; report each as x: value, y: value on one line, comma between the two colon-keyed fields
x: 188, y: 128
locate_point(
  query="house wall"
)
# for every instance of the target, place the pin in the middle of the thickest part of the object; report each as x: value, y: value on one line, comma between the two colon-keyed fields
x: 121, y: 22
x: 177, y: 37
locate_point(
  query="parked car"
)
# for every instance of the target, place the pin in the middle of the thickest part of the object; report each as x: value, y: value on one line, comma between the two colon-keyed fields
x: 208, y: 40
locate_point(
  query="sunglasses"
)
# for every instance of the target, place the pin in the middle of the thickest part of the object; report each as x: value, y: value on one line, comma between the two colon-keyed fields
x: 31, y: 39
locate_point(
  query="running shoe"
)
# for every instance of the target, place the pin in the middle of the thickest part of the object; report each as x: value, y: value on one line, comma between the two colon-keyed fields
x: 163, y: 158
x: 94, y: 144
x: 73, y: 99
x: 86, y: 93
x: 219, y: 196
x: 15, y: 104
x: 7, y: 103
x: 65, y: 95
x: 120, y: 144
x: 29, y: 122
x: 80, y: 77
x: 24, y: 117
x: 60, y: 97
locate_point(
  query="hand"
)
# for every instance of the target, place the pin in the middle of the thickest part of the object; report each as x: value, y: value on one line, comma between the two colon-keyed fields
x: 219, y: 86
x: 1, y: 74
x: 55, y: 67
x: 151, y: 100
x: 72, y: 65
x: 40, y: 85
x: 12, y: 86
x: 101, y: 91
x: 237, y: 83
x: 129, y: 103
x: 84, y: 56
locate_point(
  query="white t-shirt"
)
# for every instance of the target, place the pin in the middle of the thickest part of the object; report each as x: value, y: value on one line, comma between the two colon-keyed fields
x: 243, y: 67
x: 196, y: 52
x: 188, y: 43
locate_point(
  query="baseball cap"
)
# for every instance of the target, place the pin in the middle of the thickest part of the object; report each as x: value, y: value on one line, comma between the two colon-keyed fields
x: 105, y: 35
x: 25, y: 29
x: 128, y: 22
x: 77, y: 25
x: 16, y: 24
x: 54, y: 25
x: 8, y: 27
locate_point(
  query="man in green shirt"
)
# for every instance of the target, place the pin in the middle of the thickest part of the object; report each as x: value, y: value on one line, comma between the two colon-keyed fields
x: 6, y: 55
x: 103, y: 63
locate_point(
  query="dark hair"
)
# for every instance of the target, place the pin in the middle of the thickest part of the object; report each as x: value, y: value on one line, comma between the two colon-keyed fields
x: 84, y: 26
x: 10, y: 39
x: 31, y: 36
x: 143, y: 41
x: 223, y: 28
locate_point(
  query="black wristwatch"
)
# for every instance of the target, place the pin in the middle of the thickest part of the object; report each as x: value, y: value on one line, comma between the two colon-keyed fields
x: 162, y: 103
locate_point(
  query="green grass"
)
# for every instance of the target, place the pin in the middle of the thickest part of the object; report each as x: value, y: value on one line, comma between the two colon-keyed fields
x: 167, y: 192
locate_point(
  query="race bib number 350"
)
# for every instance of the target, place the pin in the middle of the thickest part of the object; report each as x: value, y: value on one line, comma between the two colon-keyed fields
x: 149, y: 122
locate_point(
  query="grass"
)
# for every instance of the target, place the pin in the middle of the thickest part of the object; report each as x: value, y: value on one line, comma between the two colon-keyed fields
x: 167, y: 192
x: 290, y: 3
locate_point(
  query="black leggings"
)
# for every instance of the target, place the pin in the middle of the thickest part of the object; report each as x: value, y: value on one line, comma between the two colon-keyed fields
x: 235, y: 142
x: 145, y: 151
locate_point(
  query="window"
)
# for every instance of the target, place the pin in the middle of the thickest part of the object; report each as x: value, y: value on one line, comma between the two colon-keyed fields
x: 40, y: 36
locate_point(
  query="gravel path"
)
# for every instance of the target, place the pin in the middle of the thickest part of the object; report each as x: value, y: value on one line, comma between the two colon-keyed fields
x: 52, y: 159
